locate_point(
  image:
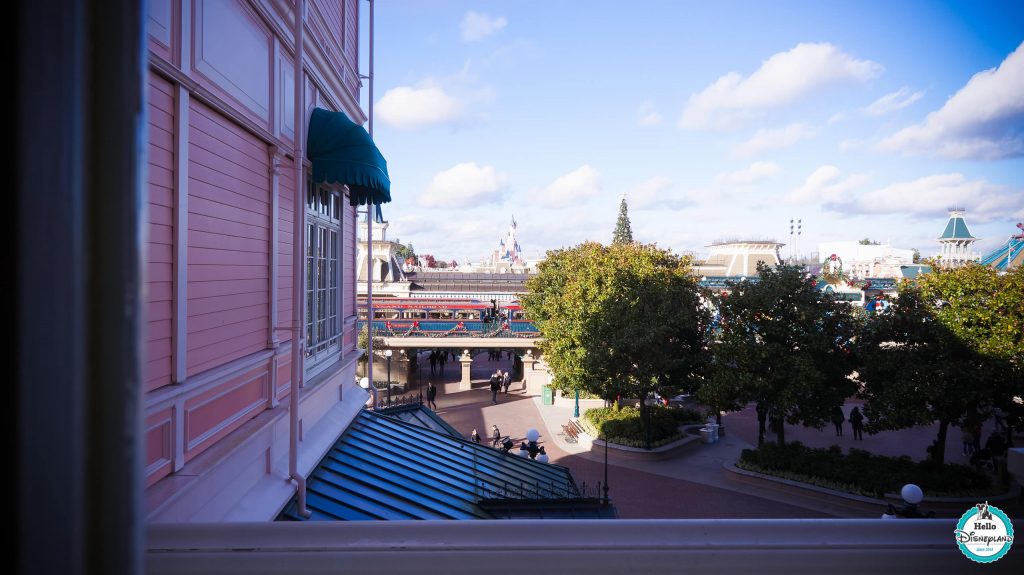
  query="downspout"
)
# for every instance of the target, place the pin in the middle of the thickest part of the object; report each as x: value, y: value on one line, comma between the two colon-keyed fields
x: 369, y: 243
x: 298, y: 243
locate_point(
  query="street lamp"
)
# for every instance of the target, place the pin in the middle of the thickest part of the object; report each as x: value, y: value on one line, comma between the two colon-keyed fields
x: 576, y: 407
x: 529, y: 448
x: 387, y: 354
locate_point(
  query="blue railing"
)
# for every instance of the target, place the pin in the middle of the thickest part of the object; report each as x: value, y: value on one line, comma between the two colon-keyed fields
x: 450, y: 328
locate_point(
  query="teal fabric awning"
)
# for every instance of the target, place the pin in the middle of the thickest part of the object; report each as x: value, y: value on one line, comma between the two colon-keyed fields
x: 343, y: 153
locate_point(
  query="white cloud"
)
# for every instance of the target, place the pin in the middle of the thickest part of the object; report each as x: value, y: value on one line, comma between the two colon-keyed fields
x: 649, y: 193
x: 574, y: 187
x: 476, y: 26
x: 931, y: 196
x: 983, y: 120
x: 826, y: 184
x: 464, y: 185
x: 758, y: 171
x: 405, y: 107
x: 646, y: 115
x: 892, y: 102
x: 782, y: 79
x: 765, y: 140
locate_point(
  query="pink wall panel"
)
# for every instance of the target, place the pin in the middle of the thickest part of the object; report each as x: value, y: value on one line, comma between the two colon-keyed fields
x: 352, y: 43
x: 285, y: 227
x: 159, y: 450
x: 229, y: 241
x: 161, y: 27
x: 284, y: 377
x: 159, y: 262
x: 221, y: 410
x: 232, y: 53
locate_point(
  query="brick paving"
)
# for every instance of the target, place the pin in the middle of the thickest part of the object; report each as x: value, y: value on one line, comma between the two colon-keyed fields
x: 691, y: 486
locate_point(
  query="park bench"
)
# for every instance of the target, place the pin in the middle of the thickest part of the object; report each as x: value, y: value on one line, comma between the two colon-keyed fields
x: 572, y: 431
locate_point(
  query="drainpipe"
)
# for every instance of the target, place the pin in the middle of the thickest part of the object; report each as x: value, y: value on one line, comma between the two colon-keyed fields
x: 369, y: 242
x: 298, y: 243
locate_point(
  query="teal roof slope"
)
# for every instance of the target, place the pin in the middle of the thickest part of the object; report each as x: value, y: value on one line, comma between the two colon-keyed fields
x: 956, y: 229
x: 382, y: 468
x: 1007, y: 256
x: 421, y: 416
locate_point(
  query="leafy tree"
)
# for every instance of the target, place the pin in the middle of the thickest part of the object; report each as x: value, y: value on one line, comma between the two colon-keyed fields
x: 622, y: 319
x: 623, y: 231
x: 917, y: 256
x: 430, y: 261
x: 868, y: 242
x: 917, y: 371
x: 786, y: 345
x: 950, y: 349
x: 404, y: 252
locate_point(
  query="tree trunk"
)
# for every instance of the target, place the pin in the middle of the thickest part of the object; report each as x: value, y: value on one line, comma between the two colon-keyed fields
x: 939, y: 447
x: 762, y: 417
x: 781, y: 430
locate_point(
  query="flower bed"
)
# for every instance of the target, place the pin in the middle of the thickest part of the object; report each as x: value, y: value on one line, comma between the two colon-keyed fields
x: 622, y: 426
x: 863, y: 473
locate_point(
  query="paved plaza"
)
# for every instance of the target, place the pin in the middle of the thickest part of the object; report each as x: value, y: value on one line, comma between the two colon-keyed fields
x: 691, y: 485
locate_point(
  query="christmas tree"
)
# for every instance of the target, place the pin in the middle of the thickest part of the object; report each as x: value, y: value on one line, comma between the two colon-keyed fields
x: 623, y: 231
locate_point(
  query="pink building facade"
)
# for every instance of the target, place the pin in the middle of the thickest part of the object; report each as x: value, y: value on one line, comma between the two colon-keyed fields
x: 220, y: 287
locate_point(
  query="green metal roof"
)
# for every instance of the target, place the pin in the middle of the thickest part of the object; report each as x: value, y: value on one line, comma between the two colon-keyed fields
x: 956, y: 229
x: 343, y: 153
x: 421, y: 416
x: 382, y: 468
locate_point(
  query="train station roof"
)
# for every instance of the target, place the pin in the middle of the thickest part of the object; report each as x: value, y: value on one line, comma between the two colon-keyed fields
x: 383, y: 468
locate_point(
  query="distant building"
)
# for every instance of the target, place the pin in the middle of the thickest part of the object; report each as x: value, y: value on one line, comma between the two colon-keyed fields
x: 867, y: 261
x: 1008, y: 256
x: 957, y: 241
x: 739, y: 258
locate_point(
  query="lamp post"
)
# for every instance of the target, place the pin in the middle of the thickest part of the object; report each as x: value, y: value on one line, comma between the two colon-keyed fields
x: 529, y: 448
x: 576, y: 406
x: 387, y: 354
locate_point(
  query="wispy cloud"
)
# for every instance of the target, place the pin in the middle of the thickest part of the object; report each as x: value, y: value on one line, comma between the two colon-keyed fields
x: 465, y: 185
x: 476, y: 26
x: 756, y: 172
x: 931, y: 196
x: 407, y: 107
x: 892, y: 102
x: 782, y: 79
x: 647, y: 115
x: 577, y: 186
x: 984, y: 120
x: 765, y: 140
x: 826, y: 184
x: 650, y: 193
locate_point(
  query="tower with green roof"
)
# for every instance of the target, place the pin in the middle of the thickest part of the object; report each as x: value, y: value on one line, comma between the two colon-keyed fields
x: 956, y: 241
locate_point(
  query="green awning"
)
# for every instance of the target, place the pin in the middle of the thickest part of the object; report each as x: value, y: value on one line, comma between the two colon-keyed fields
x: 343, y: 153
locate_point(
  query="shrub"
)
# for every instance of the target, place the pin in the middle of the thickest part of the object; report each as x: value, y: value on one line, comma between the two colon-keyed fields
x: 862, y: 472
x: 622, y: 425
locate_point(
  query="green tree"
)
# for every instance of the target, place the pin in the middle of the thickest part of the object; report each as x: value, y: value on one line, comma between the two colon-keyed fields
x: 869, y: 242
x: 404, y: 252
x: 917, y: 256
x: 622, y: 319
x: 785, y: 345
x: 623, y: 231
x: 916, y: 370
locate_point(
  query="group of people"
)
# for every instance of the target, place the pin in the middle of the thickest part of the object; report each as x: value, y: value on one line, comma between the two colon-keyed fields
x: 856, y: 421
x: 495, y: 436
x: 499, y: 381
x: 495, y: 354
x: 439, y: 357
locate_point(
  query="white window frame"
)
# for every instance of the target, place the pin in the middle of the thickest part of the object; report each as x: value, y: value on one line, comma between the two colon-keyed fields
x: 322, y: 278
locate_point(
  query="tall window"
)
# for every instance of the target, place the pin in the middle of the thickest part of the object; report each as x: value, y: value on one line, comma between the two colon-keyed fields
x: 323, y: 274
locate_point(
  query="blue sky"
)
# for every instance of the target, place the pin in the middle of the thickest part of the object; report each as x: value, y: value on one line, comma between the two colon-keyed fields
x: 716, y: 119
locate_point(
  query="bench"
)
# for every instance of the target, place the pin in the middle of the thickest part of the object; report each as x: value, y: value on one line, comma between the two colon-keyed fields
x: 572, y: 431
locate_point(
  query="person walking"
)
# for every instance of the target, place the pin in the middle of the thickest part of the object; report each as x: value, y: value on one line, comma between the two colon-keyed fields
x: 506, y: 381
x: 475, y: 437
x: 495, y: 386
x: 857, y: 423
x: 442, y: 360
x: 431, y: 395
x: 433, y: 362
x: 495, y: 436
x: 837, y: 419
